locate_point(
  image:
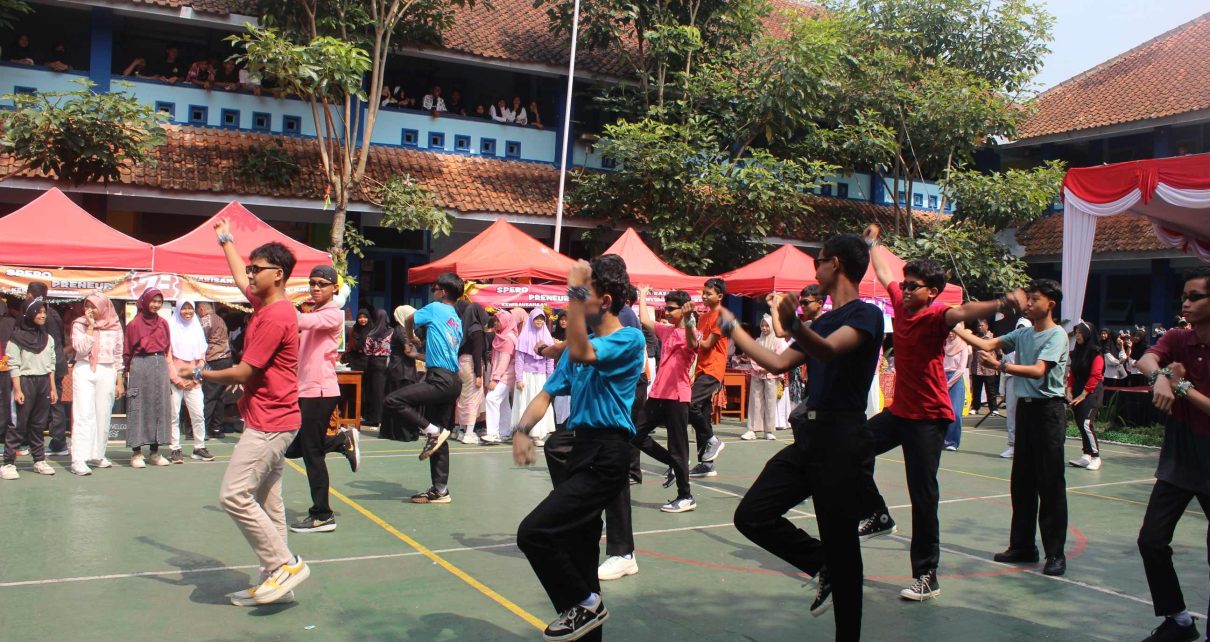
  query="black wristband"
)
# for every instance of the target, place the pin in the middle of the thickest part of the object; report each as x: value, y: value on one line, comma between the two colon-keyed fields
x: 727, y: 327
x: 577, y: 293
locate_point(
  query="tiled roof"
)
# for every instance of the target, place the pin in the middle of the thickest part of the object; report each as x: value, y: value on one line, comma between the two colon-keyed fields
x: 1163, y: 77
x: 1125, y: 233
x: 218, y: 7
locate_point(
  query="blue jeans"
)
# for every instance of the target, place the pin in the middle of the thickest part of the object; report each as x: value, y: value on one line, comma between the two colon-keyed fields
x: 953, y: 434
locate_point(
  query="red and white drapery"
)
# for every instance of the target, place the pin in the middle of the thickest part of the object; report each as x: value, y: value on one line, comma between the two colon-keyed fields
x: 1173, y: 193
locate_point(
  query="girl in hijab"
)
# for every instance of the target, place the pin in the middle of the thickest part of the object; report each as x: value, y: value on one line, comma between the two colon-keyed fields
x: 148, y: 394
x: 762, y: 389
x: 1085, y: 389
x: 470, y: 370
x: 955, y: 361
x: 531, y: 370
x: 401, y: 371
x: 355, y: 345
x: 31, y: 362
x: 96, y: 380
x: 188, y: 350
x: 7, y: 325
x: 503, y: 378
x: 377, y: 350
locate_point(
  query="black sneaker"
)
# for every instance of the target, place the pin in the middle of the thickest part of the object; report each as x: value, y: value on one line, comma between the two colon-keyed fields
x: 352, y: 448
x: 310, y: 524
x: 175, y: 457
x: 1170, y: 631
x: 669, y: 477
x: 1017, y: 556
x: 704, y: 469
x: 433, y: 442
x: 1055, y: 566
x: 926, y: 587
x: 431, y: 496
x: 875, y: 525
x: 823, y: 594
x: 575, y: 623
x: 202, y: 454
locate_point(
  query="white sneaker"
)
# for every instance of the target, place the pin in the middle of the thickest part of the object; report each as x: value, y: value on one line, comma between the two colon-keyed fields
x: 43, y: 468
x: 489, y: 440
x: 1008, y: 454
x: 247, y: 597
x: 1094, y: 463
x: 137, y: 461
x: 770, y: 437
x: 996, y: 413
x: 9, y: 471
x: 1082, y: 462
x: 282, y: 581
x: 973, y: 413
x: 103, y: 463
x: 679, y: 505
x: 748, y: 436
x: 81, y: 469
x: 616, y: 567
x: 156, y: 459
x: 470, y: 438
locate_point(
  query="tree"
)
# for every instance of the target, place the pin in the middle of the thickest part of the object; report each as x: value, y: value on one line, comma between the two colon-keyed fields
x: 80, y: 136
x: 970, y: 253
x: 1000, y: 200
x: 333, y: 54
x: 10, y: 10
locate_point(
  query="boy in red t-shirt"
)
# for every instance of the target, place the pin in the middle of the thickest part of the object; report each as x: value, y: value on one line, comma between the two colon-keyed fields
x: 921, y: 410
x: 708, y: 378
x: 251, y: 490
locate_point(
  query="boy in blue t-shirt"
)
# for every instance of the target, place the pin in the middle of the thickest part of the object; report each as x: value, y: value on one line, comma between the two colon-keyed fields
x: 436, y: 393
x: 561, y: 536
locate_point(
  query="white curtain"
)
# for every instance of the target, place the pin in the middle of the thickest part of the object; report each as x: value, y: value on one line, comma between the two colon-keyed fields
x: 1079, y: 231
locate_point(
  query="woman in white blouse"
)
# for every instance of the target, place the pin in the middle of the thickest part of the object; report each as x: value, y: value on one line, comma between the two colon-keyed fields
x: 501, y: 113
x: 96, y: 380
x: 519, y: 115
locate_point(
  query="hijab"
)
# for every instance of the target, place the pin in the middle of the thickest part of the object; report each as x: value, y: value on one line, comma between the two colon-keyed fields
x: 474, y: 317
x: 106, y: 318
x: 360, y: 332
x: 531, y: 336
x: 403, y: 313
x: 556, y: 331
x: 1082, y: 356
x: 505, y: 341
x: 30, y: 336
x: 188, y: 338
x: 379, y: 329
x: 768, y: 340
x: 520, y: 316
x: 147, y: 333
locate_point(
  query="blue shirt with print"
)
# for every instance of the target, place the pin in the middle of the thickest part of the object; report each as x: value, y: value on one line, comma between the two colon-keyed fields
x: 602, y: 393
x: 443, y: 335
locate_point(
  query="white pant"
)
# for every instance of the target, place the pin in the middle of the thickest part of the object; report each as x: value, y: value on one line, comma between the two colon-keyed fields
x: 533, y: 386
x: 92, y: 394
x: 195, y: 402
x: 499, y: 411
x: 762, y: 405
x: 1010, y: 409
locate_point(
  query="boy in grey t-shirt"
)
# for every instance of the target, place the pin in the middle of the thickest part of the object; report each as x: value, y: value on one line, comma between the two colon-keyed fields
x: 1038, y: 487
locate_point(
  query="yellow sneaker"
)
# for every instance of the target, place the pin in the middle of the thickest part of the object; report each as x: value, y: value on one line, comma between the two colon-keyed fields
x: 282, y: 581
x: 246, y: 597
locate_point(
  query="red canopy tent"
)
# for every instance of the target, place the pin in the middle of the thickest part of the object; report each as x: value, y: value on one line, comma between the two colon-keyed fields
x: 870, y: 288
x: 786, y: 269
x: 197, y: 254
x: 645, y: 268
x: 53, y: 231
x: 502, y: 251
x: 1173, y: 193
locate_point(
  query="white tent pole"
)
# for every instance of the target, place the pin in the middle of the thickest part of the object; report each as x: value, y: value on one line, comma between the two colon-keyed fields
x: 571, y: 79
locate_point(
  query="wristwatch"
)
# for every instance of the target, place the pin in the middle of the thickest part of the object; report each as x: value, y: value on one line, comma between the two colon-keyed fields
x: 224, y: 239
x: 197, y: 374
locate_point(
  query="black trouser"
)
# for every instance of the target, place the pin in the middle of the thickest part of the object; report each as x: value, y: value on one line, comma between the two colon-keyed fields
x: 1164, y: 510
x: 922, y: 441
x: 6, y: 411
x: 60, y: 417
x: 637, y: 412
x: 701, y: 409
x: 32, y: 418
x: 990, y: 384
x: 560, y: 537
x: 1085, y: 414
x: 557, y: 450
x: 824, y: 463
x: 1038, y: 486
x: 674, y: 416
x: 436, y: 394
x: 312, y: 443
x: 212, y: 394
x: 374, y: 383
x: 619, y: 525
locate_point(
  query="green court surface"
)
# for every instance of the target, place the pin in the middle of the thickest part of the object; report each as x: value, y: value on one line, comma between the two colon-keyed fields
x: 148, y: 555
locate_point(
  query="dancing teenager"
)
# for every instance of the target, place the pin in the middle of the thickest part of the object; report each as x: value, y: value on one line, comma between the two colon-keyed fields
x: 251, y: 491
x: 830, y: 436
x: 922, y: 409
x: 560, y: 536
x: 708, y: 379
x: 1038, y: 486
x: 1178, y: 366
x: 428, y: 405
x: 318, y: 396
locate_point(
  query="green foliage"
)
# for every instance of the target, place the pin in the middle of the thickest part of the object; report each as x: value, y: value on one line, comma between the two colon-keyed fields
x: 354, y: 21
x: 1004, y: 199
x: 269, y: 165
x: 408, y: 205
x: 11, y: 10
x: 80, y: 136
x: 325, y: 68
x: 970, y: 253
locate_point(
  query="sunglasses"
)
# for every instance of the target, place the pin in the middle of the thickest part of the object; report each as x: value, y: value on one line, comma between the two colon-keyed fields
x: 910, y: 286
x: 1193, y: 297
x: 320, y: 284
x: 253, y: 270
x: 819, y: 261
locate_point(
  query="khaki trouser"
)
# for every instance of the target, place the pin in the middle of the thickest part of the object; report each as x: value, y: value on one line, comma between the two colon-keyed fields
x: 251, y: 493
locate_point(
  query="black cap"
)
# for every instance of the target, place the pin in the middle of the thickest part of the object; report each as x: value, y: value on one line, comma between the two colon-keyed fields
x: 326, y: 272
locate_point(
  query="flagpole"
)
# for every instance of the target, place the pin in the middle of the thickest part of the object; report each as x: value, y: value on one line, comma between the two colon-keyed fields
x: 571, y: 79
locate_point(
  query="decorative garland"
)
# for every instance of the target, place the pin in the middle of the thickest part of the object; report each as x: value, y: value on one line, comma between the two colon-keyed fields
x: 20, y: 293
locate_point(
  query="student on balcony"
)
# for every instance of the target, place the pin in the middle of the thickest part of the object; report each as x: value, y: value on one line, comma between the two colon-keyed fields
x: 455, y: 104
x: 227, y: 77
x: 203, y: 73
x: 535, y: 119
x: 170, y: 70
x: 519, y: 115
x: 21, y: 52
x: 501, y: 113
x: 402, y: 99
x: 433, y: 102
x: 58, y: 58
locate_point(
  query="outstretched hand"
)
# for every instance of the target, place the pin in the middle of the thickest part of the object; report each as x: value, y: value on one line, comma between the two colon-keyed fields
x: 872, y: 233
x: 222, y: 227
x: 787, y: 311
x: 523, y: 449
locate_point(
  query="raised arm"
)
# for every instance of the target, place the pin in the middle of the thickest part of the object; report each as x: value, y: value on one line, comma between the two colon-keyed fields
x: 979, y: 343
x: 774, y: 362
x: 222, y: 229
x: 646, y: 318
x: 883, y: 271
x: 579, y: 348
x: 1010, y: 303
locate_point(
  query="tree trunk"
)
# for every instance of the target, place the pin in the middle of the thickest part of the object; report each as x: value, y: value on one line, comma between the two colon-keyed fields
x: 338, y: 230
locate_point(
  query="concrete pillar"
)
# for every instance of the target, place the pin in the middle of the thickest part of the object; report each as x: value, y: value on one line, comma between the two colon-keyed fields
x: 100, y: 50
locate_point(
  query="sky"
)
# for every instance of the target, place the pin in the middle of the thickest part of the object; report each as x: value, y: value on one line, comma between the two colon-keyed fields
x: 1089, y: 32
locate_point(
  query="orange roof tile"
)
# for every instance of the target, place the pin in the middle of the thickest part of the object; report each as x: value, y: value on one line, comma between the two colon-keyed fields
x: 1125, y: 233
x: 1162, y: 77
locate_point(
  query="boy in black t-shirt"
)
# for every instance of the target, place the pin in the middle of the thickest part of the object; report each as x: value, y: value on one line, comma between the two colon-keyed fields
x: 830, y: 436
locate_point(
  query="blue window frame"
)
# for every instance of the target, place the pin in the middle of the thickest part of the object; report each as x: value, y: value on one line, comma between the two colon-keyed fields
x: 291, y: 124
x: 29, y: 91
x: 487, y: 146
x: 261, y: 121
x: 409, y: 138
x: 167, y: 108
x: 825, y: 190
x: 902, y: 197
x: 436, y: 140
x: 199, y: 115
x: 608, y: 163
x: 917, y: 199
x: 512, y: 149
x: 933, y: 202
x: 230, y: 118
x: 842, y: 190
x: 462, y: 143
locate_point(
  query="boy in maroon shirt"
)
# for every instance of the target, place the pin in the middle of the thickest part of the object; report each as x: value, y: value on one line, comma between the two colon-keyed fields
x: 921, y: 410
x: 251, y: 490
